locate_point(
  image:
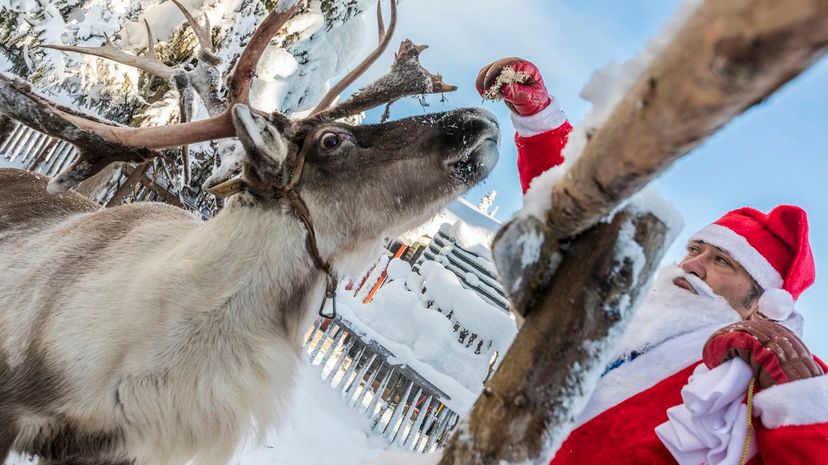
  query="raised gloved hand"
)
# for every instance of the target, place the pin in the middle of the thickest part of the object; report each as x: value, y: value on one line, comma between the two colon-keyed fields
x: 518, y: 82
x: 774, y: 352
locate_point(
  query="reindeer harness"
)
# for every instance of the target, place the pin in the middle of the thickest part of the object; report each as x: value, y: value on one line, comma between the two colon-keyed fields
x: 289, y: 192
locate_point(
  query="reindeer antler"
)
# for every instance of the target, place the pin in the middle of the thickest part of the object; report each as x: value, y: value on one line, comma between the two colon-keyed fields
x: 101, y: 143
x: 384, y: 39
x: 407, y: 77
x: 239, y: 86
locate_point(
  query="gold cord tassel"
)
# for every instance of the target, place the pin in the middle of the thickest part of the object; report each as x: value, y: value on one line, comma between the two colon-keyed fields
x: 749, y: 421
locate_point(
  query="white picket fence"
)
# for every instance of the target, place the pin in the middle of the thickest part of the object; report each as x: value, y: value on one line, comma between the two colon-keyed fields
x: 404, y: 407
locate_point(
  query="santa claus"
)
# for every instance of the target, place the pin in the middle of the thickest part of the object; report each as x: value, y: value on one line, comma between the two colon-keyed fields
x: 711, y: 369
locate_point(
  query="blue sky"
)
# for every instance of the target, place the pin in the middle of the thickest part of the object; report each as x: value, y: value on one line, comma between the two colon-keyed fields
x: 772, y: 154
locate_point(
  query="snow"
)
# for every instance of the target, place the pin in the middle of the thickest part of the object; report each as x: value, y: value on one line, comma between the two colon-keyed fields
x: 471, y: 279
x: 472, y: 229
x: 420, y: 316
x: 530, y: 245
x: 403, y: 317
x: 398, y: 269
x: 319, y: 430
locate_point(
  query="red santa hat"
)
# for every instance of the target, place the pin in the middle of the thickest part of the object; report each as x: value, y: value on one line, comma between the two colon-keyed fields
x: 772, y: 248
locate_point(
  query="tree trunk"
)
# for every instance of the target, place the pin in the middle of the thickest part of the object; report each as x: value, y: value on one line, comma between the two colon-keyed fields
x: 553, y: 365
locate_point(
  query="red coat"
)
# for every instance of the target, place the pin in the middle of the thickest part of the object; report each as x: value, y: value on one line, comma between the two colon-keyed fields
x: 792, y: 426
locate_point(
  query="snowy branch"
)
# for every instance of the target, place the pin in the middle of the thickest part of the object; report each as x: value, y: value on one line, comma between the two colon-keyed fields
x: 727, y: 57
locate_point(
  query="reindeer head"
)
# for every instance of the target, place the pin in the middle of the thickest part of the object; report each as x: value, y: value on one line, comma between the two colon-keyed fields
x: 367, y: 181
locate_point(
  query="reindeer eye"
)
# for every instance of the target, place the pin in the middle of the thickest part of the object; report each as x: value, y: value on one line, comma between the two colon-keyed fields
x: 330, y: 140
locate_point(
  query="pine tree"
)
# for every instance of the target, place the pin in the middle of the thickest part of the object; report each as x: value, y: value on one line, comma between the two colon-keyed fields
x: 486, y: 204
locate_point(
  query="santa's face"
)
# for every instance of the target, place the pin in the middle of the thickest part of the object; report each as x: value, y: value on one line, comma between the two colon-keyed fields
x: 669, y: 310
x: 723, y: 275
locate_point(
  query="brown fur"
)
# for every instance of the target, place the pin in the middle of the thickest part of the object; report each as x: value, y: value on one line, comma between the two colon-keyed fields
x: 33, y: 388
x: 22, y: 203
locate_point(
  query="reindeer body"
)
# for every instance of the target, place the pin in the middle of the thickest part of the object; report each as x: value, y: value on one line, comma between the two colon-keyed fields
x: 187, y: 344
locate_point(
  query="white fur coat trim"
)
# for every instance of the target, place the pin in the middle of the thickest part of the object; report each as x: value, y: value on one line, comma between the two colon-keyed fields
x: 803, y: 402
x: 646, y: 371
x: 551, y: 117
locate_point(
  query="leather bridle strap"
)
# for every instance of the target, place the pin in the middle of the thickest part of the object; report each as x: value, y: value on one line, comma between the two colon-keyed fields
x: 234, y: 186
x: 313, y: 250
x: 303, y: 213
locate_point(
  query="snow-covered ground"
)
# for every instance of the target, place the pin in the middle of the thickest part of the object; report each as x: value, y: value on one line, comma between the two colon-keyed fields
x: 320, y: 430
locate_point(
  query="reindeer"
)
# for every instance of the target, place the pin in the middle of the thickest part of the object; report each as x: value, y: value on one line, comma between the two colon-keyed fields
x: 140, y: 334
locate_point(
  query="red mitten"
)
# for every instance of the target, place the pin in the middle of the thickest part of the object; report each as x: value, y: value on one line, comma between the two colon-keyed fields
x: 518, y: 82
x: 773, y: 351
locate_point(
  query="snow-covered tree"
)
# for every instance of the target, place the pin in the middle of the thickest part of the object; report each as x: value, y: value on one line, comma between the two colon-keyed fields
x: 487, y: 202
x: 318, y: 42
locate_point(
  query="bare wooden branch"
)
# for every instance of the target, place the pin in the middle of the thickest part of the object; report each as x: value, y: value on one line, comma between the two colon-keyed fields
x: 239, y: 86
x: 150, y: 64
x: 203, y: 34
x: 407, y: 77
x: 359, y: 70
x: 526, y: 409
x: 728, y: 57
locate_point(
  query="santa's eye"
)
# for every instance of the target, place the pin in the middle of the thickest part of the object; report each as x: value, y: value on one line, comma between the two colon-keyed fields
x: 330, y: 140
x: 723, y: 260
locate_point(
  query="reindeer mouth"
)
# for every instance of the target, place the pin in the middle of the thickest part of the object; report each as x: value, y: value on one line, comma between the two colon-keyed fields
x: 477, y: 162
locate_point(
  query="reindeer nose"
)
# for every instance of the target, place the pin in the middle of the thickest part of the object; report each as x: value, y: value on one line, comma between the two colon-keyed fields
x: 486, y: 116
x: 485, y: 122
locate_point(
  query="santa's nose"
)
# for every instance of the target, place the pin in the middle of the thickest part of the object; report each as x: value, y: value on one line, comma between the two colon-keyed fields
x: 694, y: 265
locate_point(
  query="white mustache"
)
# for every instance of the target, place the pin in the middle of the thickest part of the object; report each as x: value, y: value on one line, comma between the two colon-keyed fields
x: 697, y: 283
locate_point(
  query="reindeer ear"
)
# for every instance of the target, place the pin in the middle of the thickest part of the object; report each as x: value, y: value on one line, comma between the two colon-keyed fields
x: 266, y: 148
x: 266, y: 153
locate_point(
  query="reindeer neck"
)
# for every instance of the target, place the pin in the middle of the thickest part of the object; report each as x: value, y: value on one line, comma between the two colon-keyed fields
x: 255, y: 265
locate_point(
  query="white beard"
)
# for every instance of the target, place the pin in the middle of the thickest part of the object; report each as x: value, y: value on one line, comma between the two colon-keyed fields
x: 669, y: 311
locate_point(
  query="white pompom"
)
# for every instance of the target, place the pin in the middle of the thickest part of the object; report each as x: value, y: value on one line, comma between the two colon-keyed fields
x: 776, y: 304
